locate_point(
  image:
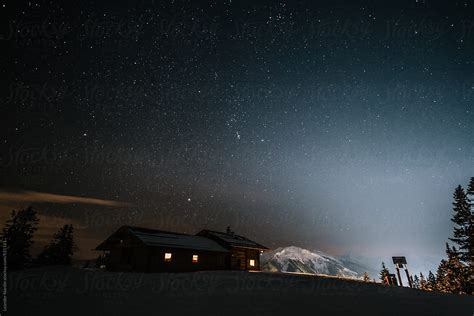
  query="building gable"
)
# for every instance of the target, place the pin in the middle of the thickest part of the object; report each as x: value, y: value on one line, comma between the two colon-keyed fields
x: 159, y: 238
x: 229, y: 239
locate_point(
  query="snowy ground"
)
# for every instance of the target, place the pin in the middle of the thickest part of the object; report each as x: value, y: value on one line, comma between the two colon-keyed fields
x: 71, y: 291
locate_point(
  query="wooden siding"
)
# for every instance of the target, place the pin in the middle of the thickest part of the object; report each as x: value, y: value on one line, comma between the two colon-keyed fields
x: 240, y: 258
x: 127, y: 256
x: 182, y: 260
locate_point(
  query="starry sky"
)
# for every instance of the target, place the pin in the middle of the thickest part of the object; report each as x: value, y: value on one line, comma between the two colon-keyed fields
x: 342, y: 126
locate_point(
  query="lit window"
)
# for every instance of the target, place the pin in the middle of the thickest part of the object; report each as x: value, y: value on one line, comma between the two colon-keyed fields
x: 168, y: 256
x: 195, y: 258
x: 252, y: 262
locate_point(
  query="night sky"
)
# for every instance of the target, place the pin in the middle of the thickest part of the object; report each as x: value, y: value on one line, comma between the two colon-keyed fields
x: 326, y: 125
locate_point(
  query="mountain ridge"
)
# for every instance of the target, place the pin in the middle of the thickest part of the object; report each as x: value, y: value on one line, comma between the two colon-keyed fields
x: 300, y: 260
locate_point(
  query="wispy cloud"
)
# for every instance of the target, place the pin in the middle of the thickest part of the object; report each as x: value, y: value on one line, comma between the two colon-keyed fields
x: 41, y: 197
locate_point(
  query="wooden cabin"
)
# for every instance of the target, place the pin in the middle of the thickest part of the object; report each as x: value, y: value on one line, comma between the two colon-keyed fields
x: 244, y: 253
x: 149, y: 250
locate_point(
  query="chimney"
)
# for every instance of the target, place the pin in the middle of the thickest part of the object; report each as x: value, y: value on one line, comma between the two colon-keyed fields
x: 229, y: 231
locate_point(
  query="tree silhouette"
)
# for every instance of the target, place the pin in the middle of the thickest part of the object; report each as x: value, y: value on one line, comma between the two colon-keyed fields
x: 441, y: 284
x: 459, y: 278
x: 431, y: 282
x: 470, y: 239
x: 423, y: 283
x: 18, y: 235
x: 384, y: 275
x: 60, y: 250
x: 366, y: 277
x: 416, y: 282
x: 464, y: 225
x: 451, y: 275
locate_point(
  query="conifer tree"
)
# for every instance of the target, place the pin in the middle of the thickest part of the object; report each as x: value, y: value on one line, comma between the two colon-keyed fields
x: 456, y: 277
x: 470, y: 190
x: 441, y: 284
x: 423, y: 283
x: 18, y: 235
x: 60, y: 250
x: 384, y: 274
x: 416, y: 282
x: 451, y: 274
x: 431, y: 282
x: 366, y: 277
x: 464, y: 225
x: 470, y: 260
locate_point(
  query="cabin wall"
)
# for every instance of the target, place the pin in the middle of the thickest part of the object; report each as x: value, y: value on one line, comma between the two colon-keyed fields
x: 127, y: 259
x: 240, y: 259
x: 140, y: 259
x: 255, y: 255
x: 181, y: 260
x: 152, y: 259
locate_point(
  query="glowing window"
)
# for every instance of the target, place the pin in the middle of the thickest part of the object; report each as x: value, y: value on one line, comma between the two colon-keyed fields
x: 195, y: 258
x: 252, y: 263
x: 168, y: 256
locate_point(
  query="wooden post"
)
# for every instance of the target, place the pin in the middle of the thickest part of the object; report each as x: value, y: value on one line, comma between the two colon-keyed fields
x: 399, y: 278
x: 408, y: 277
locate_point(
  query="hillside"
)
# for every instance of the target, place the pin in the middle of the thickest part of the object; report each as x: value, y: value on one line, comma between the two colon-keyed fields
x: 70, y: 291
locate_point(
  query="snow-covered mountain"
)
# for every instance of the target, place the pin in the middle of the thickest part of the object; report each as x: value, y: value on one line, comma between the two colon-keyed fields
x: 295, y: 259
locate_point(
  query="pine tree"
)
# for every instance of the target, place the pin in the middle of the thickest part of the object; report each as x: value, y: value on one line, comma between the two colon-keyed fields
x: 456, y: 277
x: 384, y: 275
x: 416, y: 282
x: 431, y: 282
x: 423, y: 283
x: 470, y: 261
x: 470, y: 189
x: 60, y: 250
x: 441, y: 284
x: 366, y: 277
x: 451, y: 274
x: 18, y: 235
x: 463, y: 229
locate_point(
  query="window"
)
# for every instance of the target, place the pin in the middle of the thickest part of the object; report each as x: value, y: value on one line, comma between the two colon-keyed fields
x: 252, y: 263
x: 195, y: 258
x: 167, y: 256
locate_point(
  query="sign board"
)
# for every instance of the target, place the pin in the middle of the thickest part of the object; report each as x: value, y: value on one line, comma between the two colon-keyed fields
x: 399, y: 260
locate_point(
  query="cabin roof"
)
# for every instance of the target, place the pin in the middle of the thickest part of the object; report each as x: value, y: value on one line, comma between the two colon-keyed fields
x: 232, y: 240
x: 159, y: 238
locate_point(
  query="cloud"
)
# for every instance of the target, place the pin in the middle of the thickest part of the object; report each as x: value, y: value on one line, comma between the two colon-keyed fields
x: 41, y: 197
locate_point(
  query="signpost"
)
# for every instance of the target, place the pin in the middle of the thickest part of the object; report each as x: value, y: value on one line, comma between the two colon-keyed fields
x: 401, y: 262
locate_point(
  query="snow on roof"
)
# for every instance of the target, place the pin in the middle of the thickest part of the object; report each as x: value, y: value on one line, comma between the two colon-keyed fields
x: 233, y: 239
x: 158, y: 238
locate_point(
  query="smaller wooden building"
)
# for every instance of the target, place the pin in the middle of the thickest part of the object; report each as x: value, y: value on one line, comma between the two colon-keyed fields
x: 149, y: 250
x: 244, y: 253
